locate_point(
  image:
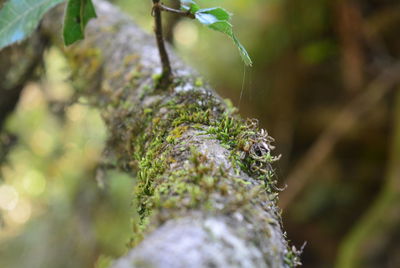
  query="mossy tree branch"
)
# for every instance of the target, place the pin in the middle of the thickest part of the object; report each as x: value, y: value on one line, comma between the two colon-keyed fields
x: 206, y: 193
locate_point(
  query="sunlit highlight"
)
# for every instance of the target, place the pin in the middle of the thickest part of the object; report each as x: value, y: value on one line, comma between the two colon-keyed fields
x: 21, y: 213
x: 8, y: 197
x: 34, y: 183
x: 186, y: 34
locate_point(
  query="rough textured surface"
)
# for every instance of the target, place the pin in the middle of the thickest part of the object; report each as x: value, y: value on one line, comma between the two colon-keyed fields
x: 206, y: 194
x: 212, y: 237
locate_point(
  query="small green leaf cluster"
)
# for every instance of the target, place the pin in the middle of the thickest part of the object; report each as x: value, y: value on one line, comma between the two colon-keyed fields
x: 19, y: 18
x: 218, y: 19
x: 77, y: 15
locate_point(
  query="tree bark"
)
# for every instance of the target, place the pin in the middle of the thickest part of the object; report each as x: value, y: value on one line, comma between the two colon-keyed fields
x: 205, y: 192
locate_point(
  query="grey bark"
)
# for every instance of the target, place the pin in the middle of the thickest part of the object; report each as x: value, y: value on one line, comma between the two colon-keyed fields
x: 224, y: 215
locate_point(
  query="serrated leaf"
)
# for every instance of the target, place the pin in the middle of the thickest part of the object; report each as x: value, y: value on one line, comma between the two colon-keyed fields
x: 218, y: 19
x: 77, y: 15
x: 19, y: 18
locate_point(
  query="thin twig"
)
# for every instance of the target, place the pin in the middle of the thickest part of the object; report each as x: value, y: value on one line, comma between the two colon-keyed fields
x: 166, y: 76
x: 300, y: 177
x: 176, y: 11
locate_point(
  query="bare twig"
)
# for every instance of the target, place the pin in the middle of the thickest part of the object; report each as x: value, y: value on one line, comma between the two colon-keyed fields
x: 347, y: 118
x: 166, y: 77
x: 176, y: 11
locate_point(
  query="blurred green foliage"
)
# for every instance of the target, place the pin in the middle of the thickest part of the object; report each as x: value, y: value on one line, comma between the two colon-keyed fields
x: 57, y: 209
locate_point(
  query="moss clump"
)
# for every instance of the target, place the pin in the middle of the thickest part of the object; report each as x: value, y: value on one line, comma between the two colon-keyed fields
x: 199, y: 82
x: 292, y: 257
x: 164, y: 192
x: 85, y: 65
x: 176, y: 133
x: 153, y: 152
x: 250, y: 148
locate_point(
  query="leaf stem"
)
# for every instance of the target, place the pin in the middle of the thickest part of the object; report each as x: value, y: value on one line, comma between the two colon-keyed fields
x: 176, y: 11
x: 166, y: 76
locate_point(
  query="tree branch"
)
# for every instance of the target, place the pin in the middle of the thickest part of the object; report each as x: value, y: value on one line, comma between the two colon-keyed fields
x: 205, y: 192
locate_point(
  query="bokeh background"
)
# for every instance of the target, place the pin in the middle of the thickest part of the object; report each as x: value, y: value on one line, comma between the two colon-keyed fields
x: 325, y: 85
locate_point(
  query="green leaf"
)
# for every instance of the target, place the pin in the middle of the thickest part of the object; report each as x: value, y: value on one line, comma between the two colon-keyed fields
x: 211, y: 15
x: 243, y: 52
x: 218, y: 19
x: 77, y: 15
x: 190, y: 5
x: 19, y: 18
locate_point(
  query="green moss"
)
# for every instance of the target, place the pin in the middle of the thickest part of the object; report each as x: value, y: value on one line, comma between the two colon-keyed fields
x: 147, y: 90
x: 156, y: 78
x: 151, y: 138
x: 103, y: 262
x: 85, y: 64
x: 153, y: 155
x: 164, y: 194
x: 127, y: 105
x: 176, y: 133
x: 199, y: 82
x: 292, y: 257
x: 250, y: 147
x: 134, y: 75
x: 147, y: 111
